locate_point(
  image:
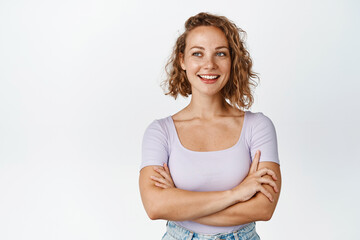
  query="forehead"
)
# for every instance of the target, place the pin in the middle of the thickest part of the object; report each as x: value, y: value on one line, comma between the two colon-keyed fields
x: 207, y: 37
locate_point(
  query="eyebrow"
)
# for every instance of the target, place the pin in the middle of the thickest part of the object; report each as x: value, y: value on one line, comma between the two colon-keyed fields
x: 204, y: 48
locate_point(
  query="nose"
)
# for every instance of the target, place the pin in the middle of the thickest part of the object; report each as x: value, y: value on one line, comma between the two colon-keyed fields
x: 210, y: 63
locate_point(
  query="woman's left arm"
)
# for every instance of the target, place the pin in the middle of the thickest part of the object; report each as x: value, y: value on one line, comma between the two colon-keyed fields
x: 258, y: 208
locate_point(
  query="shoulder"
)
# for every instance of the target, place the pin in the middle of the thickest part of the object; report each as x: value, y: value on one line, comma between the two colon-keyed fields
x: 262, y: 136
x: 257, y: 116
x: 158, y: 128
x: 156, y: 136
x: 159, y: 124
x: 155, y: 144
x: 259, y: 126
x: 257, y: 119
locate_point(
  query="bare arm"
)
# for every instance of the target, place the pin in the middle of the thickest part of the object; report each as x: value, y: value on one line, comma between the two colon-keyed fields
x: 258, y: 208
x: 168, y: 202
x: 177, y: 204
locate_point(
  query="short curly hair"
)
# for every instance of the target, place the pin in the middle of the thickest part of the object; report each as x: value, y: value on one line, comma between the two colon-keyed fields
x: 238, y: 88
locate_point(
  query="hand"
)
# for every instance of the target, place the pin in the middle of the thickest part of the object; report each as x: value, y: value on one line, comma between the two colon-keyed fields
x: 166, y: 180
x: 253, y: 182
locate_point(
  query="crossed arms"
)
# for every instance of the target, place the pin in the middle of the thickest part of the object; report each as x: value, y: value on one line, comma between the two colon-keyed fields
x: 218, y: 208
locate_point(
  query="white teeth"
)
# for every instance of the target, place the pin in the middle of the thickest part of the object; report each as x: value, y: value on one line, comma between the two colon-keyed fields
x: 208, y: 77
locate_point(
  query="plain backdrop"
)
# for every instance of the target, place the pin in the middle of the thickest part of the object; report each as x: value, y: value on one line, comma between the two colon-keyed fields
x: 80, y: 82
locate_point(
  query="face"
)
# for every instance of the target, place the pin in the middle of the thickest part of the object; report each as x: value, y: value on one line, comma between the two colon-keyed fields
x: 206, y: 60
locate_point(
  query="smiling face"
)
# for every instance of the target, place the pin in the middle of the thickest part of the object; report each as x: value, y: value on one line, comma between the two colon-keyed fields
x: 206, y: 60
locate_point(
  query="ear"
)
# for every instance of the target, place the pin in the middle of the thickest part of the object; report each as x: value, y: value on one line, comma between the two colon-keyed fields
x: 181, y: 58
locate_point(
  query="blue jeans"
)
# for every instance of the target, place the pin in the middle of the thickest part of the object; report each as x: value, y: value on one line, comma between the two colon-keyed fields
x: 176, y: 232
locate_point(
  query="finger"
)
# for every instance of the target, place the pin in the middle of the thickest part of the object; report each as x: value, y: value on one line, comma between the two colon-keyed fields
x: 266, y: 193
x: 161, y: 185
x: 255, y: 162
x: 167, y: 168
x: 169, y: 178
x: 269, y: 182
x: 160, y: 180
x: 161, y: 171
x: 165, y: 174
x: 157, y: 168
x: 267, y: 171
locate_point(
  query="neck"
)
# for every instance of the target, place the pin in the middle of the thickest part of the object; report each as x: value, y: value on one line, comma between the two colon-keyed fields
x: 206, y: 107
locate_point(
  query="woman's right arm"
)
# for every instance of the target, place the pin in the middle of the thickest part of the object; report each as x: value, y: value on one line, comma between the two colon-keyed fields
x: 172, y: 204
x: 258, y: 208
x: 179, y: 205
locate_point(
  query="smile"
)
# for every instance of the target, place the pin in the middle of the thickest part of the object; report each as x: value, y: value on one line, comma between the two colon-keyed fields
x: 209, y: 77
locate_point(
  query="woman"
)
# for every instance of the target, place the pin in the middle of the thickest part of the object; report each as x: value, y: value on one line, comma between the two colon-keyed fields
x: 201, y: 168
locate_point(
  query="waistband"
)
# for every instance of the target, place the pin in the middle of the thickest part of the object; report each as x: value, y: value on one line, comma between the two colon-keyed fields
x: 179, y: 232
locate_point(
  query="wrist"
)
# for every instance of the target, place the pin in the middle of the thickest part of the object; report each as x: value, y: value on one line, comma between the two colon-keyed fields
x: 239, y: 194
x: 233, y: 196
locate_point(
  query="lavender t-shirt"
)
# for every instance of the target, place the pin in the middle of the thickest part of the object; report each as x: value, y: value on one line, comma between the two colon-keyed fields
x: 209, y: 171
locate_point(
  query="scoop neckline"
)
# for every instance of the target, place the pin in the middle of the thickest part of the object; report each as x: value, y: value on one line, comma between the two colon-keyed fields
x: 216, y: 151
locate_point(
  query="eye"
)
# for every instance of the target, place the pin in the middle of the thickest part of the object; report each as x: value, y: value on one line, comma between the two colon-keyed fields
x: 197, y: 54
x: 221, y: 54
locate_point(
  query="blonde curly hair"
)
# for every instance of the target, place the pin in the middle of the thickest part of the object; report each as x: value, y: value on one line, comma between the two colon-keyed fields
x: 238, y: 88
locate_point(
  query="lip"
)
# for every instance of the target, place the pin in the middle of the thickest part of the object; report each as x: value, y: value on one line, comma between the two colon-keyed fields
x: 208, y: 81
x: 208, y: 74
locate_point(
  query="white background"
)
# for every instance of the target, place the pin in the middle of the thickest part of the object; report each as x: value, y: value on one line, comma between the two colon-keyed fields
x: 79, y: 83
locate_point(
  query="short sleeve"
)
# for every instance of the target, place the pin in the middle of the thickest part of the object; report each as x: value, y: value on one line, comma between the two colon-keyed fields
x: 154, y: 146
x: 263, y: 138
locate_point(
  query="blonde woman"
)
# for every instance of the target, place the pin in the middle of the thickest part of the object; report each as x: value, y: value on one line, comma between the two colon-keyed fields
x: 212, y: 169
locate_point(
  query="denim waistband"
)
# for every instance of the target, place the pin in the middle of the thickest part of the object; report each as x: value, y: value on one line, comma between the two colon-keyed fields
x: 179, y: 232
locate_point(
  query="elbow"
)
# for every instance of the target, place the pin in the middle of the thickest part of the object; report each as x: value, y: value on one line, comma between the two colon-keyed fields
x: 153, y: 213
x: 267, y: 214
x: 155, y: 208
x: 152, y: 216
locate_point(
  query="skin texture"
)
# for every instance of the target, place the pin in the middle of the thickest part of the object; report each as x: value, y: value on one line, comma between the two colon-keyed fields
x: 207, y: 52
x: 258, y: 208
x: 175, y: 204
x: 255, y: 198
x: 244, y: 191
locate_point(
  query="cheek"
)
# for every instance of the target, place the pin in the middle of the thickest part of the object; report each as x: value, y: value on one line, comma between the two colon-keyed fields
x: 227, y: 66
x: 227, y: 69
x: 192, y: 66
x: 224, y: 65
